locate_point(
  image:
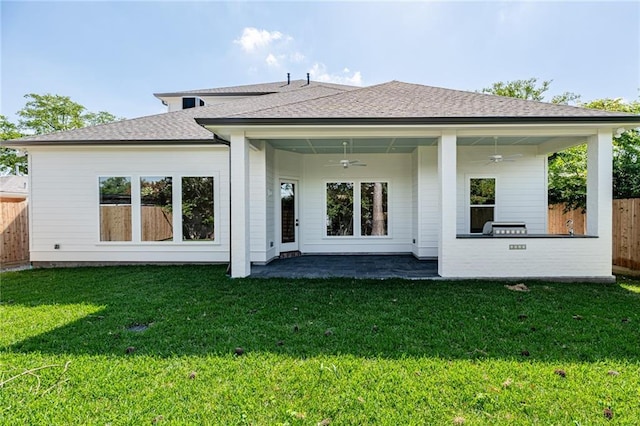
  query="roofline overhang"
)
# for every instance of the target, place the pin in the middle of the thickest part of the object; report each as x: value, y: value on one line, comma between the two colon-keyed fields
x: 212, y: 141
x: 230, y: 94
x: 381, y: 121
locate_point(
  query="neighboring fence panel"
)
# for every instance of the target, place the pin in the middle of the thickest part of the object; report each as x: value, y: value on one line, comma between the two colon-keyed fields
x: 157, y: 225
x: 557, y: 223
x: 14, y: 239
x: 115, y: 223
x: 626, y: 233
x: 626, y: 229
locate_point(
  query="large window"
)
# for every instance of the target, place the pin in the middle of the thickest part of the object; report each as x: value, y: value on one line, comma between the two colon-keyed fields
x: 197, y: 208
x: 482, y: 203
x: 362, y: 203
x: 156, y: 214
x: 115, y: 208
x: 339, y: 208
x: 373, y: 208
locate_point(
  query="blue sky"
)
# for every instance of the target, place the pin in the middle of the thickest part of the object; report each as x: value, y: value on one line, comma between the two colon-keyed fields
x: 113, y: 56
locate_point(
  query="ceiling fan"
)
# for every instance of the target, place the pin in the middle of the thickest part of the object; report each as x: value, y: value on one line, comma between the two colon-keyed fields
x: 345, y: 163
x: 498, y: 158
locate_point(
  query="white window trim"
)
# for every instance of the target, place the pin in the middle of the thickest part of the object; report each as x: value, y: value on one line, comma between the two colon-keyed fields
x: 98, y: 204
x: 468, y: 205
x: 357, y: 210
x: 136, y: 225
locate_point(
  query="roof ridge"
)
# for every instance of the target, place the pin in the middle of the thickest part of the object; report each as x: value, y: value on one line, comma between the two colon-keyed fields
x: 313, y: 99
x: 266, y: 88
x: 269, y: 95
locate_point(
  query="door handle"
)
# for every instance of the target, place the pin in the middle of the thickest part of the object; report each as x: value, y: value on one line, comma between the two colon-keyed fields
x: 297, y: 223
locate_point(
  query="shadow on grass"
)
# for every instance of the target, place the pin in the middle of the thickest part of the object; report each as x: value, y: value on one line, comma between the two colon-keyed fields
x: 197, y: 310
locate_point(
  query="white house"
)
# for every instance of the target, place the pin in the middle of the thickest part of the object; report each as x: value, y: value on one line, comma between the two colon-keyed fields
x: 245, y: 174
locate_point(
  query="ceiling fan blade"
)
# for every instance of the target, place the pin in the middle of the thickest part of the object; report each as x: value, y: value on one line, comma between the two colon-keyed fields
x: 511, y: 157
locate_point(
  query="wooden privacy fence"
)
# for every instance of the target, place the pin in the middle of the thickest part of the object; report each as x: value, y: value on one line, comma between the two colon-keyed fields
x: 14, y: 239
x: 626, y: 233
x: 626, y: 229
x: 115, y: 223
x: 558, y: 217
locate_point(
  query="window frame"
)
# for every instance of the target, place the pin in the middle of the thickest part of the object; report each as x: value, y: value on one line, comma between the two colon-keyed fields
x: 469, y: 206
x: 136, y: 220
x: 99, y: 205
x: 357, y: 208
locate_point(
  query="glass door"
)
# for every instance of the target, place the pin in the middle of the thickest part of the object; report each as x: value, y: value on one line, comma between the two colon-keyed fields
x: 288, y: 215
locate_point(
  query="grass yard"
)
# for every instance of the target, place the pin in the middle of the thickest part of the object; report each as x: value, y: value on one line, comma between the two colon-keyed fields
x: 334, y: 351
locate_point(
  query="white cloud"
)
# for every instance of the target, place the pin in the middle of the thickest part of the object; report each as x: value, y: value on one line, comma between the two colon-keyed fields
x: 319, y: 73
x: 277, y: 52
x: 271, y: 60
x: 253, y: 38
x: 296, y: 57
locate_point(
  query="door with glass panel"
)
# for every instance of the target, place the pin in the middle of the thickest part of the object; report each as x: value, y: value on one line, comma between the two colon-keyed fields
x: 288, y: 215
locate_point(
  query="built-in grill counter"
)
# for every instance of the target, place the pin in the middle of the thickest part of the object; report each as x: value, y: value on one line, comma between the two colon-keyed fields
x: 505, y: 229
x: 514, y: 230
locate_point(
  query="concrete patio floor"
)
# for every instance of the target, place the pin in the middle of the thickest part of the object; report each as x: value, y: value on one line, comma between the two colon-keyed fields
x: 349, y: 266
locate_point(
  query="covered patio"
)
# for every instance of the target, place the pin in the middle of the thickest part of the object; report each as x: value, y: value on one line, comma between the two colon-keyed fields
x: 403, y: 266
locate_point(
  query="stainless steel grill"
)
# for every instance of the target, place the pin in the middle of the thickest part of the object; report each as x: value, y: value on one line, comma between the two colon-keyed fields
x: 505, y: 229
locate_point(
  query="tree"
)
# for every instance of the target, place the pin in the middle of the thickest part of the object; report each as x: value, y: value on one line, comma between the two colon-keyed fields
x: 45, y: 114
x: 626, y: 149
x: 522, y: 89
x: 568, y: 168
x: 10, y: 159
x: 51, y: 113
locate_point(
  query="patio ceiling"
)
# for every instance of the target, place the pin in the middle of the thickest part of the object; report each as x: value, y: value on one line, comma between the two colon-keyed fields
x: 394, y: 145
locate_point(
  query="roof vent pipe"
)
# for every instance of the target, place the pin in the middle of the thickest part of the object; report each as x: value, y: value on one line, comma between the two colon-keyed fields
x: 288, y: 78
x: 308, y: 79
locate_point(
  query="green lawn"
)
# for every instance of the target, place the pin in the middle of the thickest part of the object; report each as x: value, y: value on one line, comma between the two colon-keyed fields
x: 335, y: 351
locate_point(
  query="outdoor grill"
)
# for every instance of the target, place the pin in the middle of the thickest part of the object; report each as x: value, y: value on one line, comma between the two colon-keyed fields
x: 504, y: 229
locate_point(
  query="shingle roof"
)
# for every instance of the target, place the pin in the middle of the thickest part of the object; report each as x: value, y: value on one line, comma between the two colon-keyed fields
x: 255, y: 89
x: 375, y: 104
x: 396, y: 99
x: 177, y: 125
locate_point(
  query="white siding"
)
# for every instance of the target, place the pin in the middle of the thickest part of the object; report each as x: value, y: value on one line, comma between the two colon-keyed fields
x: 273, y: 201
x: 258, y: 204
x: 428, y: 202
x: 521, y: 193
x: 392, y: 168
x: 65, y: 202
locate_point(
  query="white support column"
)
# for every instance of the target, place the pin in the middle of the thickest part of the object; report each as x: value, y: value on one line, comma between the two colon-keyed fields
x: 239, y: 174
x: 599, y: 185
x: 447, y: 185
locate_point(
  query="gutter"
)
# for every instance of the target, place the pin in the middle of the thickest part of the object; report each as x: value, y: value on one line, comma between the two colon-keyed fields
x: 120, y: 142
x: 379, y: 121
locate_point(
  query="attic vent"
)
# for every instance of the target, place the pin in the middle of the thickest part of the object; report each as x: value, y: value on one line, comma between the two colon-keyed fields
x: 191, y: 102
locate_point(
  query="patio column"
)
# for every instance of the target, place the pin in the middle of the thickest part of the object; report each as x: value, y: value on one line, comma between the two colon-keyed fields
x: 599, y: 191
x: 447, y: 172
x: 239, y: 175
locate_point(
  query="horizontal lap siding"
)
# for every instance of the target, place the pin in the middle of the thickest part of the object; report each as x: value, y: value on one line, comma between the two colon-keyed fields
x: 429, y: 201
x: 520, y: 188
x: 394, y: 168
x: 65, y: 210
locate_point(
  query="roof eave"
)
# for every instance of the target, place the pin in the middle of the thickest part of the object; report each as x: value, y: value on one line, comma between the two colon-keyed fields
x: 373, y: 121
x: 24, y: 143
x: 229, y: 94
